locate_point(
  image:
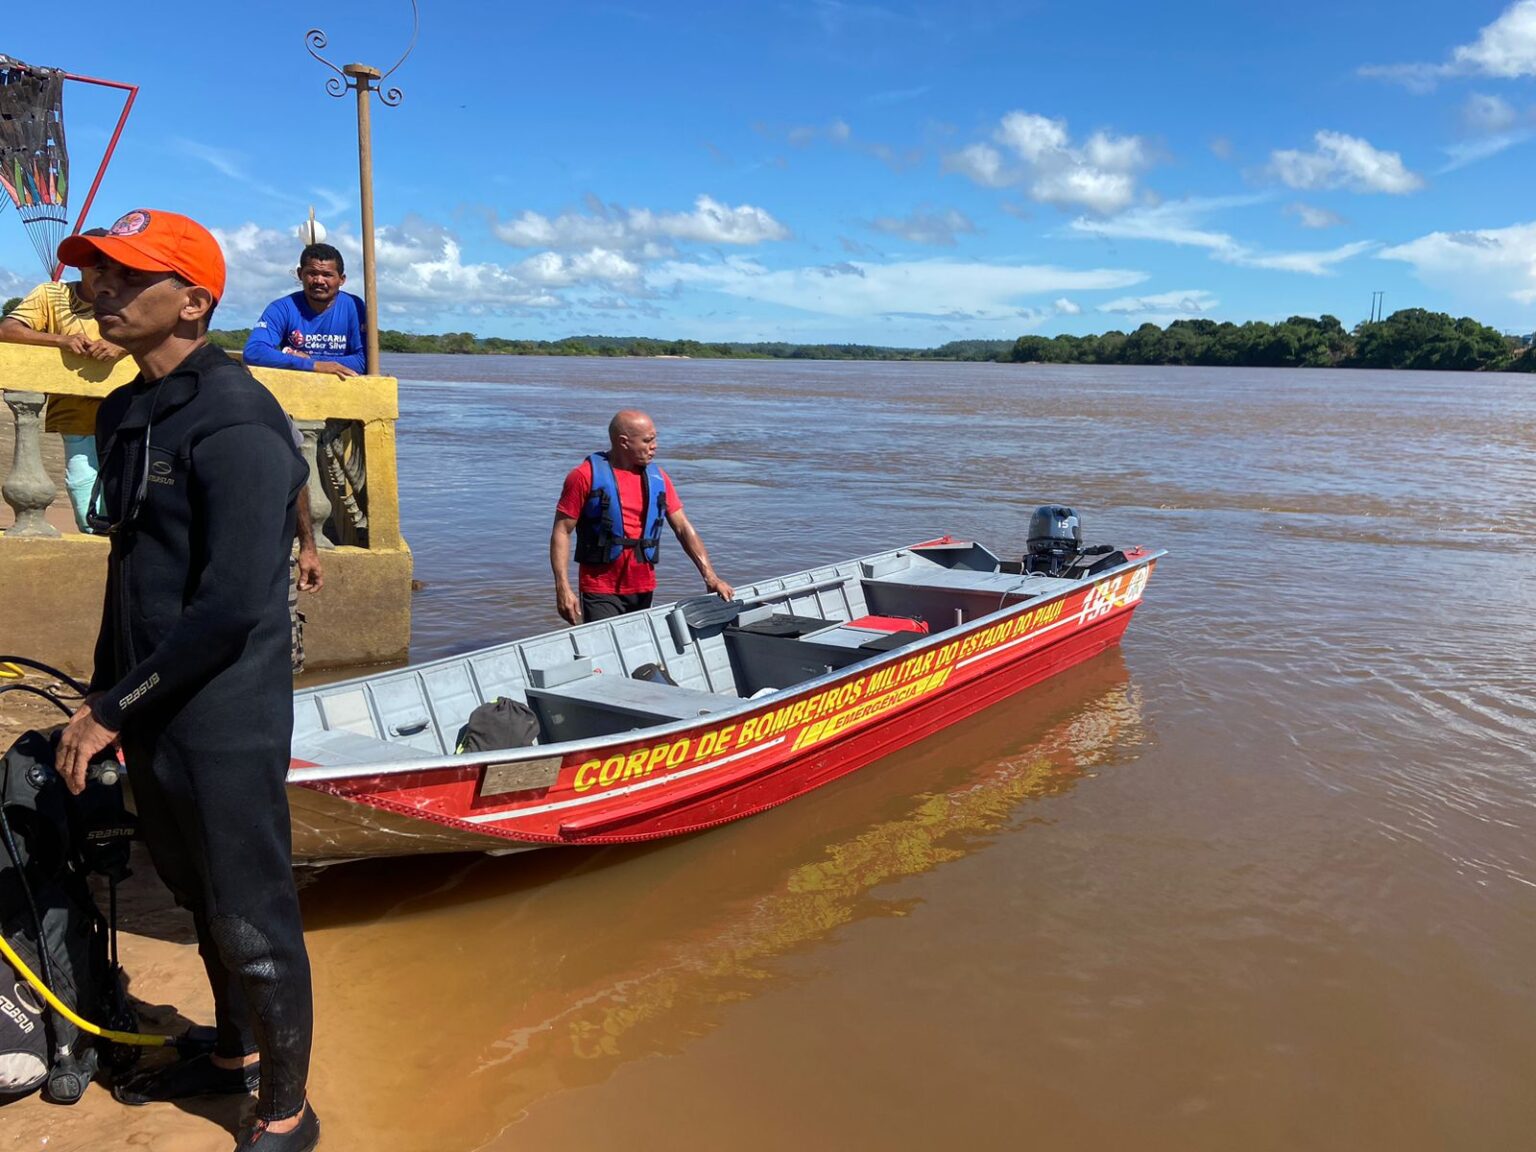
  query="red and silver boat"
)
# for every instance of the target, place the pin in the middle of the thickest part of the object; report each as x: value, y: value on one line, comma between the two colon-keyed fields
x: 802, y: 679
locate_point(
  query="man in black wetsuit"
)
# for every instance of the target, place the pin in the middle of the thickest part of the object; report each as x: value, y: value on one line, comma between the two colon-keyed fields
x: 198, y: 479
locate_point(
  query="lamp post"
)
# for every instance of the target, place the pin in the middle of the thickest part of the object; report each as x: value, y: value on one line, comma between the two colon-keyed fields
x: 365, y: 80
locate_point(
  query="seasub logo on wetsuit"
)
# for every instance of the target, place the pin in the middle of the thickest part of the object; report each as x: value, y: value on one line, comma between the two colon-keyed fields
x: 154, y: 678
x: 9, y: 1009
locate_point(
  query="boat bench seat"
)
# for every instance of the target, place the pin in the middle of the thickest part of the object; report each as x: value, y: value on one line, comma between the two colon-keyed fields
x: 595, y: 705
x: 936, y: 594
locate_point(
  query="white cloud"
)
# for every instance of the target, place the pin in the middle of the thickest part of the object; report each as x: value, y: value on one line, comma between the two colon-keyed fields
x: 235, y: 166
x: 1414, y: 77
x: 1506, y: 48
x: 1484, y: 115
x: 597, y: 265
x: 981, y: 163
x: 927, y: 226
x: 1187, y: 303
x: 1310, y: 216
x: 840, y: 134
x: 804, y: 135
x: 1180, y: 222
x: 928, y: 288
x: 1466, y: 152
x: 896, y: 96
x: 1487, y: 263
x: 1342, y: 161
x: 1065, y: 307
x: 1090, y: 187
x: 422, y: 274
x: 1035, y: 138
x: 1100, y: 174
x: 637, y: 229
x: 1492, y: 125
x: 1308, y: 263
x: 1116, y: 153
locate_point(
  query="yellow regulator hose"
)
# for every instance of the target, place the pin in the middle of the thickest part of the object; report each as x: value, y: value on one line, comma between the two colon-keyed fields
x: 64, y: 1010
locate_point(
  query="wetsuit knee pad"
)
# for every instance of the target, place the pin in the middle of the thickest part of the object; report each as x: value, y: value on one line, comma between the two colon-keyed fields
x: 246, y: 952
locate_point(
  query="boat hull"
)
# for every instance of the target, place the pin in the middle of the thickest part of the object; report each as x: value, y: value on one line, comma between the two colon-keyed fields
x: 685, y: 777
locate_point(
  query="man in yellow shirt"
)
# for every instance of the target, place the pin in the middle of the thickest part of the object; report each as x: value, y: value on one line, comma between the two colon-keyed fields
x: 63, y: 316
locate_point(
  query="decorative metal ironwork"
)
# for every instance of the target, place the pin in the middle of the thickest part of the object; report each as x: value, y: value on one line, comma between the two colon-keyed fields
x: 339, y: 84
x: 365, y: 80
x: 314, y: 40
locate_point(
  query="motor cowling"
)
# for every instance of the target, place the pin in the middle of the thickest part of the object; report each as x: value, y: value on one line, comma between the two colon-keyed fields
x: 1055, y: 539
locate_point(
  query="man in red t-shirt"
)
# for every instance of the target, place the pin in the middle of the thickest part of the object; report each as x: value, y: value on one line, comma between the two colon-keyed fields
x: 618, y: 572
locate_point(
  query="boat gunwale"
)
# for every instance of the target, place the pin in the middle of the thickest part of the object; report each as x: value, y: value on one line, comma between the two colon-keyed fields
x: 313, y: 774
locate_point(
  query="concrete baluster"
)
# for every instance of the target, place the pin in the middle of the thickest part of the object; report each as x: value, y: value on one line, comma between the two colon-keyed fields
x: 28, y: 489
x: 319, y: 502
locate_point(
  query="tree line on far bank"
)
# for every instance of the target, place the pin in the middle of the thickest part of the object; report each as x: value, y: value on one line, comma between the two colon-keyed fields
x: 467, y: 343
x: 1413, y: 338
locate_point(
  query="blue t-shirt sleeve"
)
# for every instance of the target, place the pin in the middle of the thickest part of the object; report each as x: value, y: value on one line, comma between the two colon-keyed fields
x: 356, y: 357
x: 263, y: 348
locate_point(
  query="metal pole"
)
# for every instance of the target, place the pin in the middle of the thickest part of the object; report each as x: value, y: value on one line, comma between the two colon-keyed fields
x: 364, y: 77
x: 365, y: 80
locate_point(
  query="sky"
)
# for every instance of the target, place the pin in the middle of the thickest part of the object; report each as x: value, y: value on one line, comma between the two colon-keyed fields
x: 819, y: 171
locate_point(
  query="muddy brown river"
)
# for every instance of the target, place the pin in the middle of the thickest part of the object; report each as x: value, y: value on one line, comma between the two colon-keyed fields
x: 1265, y: 878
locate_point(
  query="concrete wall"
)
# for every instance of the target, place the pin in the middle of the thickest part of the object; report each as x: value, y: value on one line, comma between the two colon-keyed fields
x: 51, y: 589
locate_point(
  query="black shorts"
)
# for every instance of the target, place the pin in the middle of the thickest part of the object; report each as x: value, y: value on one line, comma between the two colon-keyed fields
x: 605, y: 605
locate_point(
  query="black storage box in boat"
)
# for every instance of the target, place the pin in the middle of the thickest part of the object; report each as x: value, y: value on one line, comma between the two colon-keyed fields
x: 784, y: 625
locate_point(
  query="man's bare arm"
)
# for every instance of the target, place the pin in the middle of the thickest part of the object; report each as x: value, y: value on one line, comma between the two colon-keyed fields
x: 311, y: 578
x: 567, y: 603
x: 689, y: 539
x: 13, y: 331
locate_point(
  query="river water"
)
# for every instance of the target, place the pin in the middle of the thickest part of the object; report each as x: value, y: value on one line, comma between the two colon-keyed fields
x: 1265, y: 878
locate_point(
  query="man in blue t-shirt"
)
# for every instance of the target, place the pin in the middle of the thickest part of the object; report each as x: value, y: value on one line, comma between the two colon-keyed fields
x: 318, y: 329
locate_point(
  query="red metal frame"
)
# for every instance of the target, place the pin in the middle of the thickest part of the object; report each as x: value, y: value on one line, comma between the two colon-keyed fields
x: 101, y: 169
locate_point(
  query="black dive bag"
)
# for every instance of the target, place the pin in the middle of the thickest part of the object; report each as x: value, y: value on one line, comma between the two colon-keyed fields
x: 51, y: 842
x: 498, y: 724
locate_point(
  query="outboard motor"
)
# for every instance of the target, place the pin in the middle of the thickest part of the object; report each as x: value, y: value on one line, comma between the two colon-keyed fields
x: 1055, y: 539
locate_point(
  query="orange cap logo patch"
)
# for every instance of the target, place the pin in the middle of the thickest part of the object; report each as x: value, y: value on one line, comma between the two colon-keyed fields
x: 131, y: 224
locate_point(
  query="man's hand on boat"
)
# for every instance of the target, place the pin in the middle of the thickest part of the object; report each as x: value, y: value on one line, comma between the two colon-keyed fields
x: 83, y: 738
x: 719, y: 587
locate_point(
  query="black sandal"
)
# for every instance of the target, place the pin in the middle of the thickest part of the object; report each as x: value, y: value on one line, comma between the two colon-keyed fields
x: 193, y: 1076
x: 300, y: 1139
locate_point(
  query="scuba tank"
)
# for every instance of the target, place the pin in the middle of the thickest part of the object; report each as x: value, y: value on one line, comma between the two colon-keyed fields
x: 52, y: 843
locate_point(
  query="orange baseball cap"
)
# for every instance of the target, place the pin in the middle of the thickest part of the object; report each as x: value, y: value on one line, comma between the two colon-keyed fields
x: 154, y: 241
